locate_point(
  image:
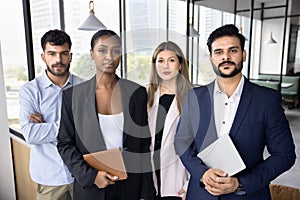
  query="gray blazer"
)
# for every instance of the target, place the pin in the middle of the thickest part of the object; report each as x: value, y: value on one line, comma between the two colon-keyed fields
x: 80, y: 133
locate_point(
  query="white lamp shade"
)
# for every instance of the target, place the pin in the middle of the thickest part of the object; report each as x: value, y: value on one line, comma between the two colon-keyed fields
x: 193, y: 32
x: 270, y: 40
x: 92, y: 23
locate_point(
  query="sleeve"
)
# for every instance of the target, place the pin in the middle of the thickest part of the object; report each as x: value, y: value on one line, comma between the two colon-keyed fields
x: 34, y: 133
x: 68, y: 146
x: 184, y: 140
x: 280, y: 146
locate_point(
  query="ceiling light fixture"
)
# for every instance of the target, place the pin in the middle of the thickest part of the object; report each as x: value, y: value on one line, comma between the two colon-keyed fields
x: 92, y: 23
x: 193, y: 32
x: 241, y: 32
x: 270, y: 40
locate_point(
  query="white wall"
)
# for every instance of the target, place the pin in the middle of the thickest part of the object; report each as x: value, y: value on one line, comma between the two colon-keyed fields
x: 7, y: 185
x: 271, y: 54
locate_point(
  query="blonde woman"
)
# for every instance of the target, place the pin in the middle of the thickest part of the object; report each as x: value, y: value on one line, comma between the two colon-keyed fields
x: 169, y: 83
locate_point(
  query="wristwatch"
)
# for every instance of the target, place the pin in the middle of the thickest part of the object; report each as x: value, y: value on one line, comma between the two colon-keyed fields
x: 240, y: 190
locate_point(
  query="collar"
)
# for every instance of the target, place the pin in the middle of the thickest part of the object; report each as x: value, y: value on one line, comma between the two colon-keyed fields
x: 237, y: 93
x: 46, y: 82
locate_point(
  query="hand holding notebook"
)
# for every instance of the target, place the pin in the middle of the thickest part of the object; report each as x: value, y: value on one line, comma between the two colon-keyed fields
x: 110, y: 161
x: 222, y: 154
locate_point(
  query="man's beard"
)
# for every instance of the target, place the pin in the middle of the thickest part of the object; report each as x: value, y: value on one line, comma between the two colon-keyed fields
x: 237, y: 69
x: 60, y: 73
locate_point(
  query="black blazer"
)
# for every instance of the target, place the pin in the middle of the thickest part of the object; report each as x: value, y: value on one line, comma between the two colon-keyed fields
x: 80, y: 133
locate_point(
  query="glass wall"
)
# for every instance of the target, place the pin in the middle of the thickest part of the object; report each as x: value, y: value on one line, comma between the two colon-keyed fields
x: 44, y: 16
x: 147, y: 23
x: 145, y: 29
x: 12, y: 38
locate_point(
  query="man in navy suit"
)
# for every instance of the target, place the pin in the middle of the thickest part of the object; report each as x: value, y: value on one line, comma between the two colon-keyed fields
x: 253, y: 117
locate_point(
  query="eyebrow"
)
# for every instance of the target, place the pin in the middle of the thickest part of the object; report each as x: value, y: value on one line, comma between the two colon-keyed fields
x: 102, y: 45
x: 233, y: 47
x: 52, y: 51
x: 168, y: 57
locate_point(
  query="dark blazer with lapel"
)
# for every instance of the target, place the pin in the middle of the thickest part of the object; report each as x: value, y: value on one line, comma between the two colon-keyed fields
x: 80, y: 133
x: 259, y: 122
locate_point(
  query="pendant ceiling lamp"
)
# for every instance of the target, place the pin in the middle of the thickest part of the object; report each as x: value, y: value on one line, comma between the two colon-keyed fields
x: 241, y: 27
x: 270, y: 40
x: 241, y: 32
x: 92, y: 23
x: 193, y: 32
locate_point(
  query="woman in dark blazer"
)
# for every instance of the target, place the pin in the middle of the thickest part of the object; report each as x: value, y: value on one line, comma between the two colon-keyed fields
x: 90, y: 111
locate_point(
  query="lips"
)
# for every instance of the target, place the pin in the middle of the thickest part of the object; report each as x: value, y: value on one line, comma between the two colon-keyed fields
x: 226, y: 66
x: 109, y: 64
x: 166, y: 73
x: 58, y: 66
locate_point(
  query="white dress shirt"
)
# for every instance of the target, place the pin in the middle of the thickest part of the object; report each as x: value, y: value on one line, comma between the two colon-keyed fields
x: 225, y: 108
x: 43, y: 96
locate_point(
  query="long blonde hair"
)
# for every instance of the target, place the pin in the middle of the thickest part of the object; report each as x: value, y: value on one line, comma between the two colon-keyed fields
x: 183, y: 83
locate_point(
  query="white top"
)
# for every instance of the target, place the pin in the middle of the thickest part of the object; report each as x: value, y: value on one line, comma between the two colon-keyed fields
x: 112, y: 129
x: 225, y: 108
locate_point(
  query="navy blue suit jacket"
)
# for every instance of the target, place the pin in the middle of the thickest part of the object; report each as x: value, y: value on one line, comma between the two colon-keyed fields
x: 259, y: 122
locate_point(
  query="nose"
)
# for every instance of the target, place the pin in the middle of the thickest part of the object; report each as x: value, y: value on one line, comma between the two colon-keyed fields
x: 109, y: 55
x: 226, y: 56
x: 58, y: 57
x: 166, y: 65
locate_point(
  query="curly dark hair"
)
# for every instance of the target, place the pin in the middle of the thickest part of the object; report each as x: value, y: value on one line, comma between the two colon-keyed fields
x: 226, y: 30
x: 55, y: 37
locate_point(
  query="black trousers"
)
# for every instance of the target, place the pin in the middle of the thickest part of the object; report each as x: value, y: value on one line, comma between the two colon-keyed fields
x: 114, y: 192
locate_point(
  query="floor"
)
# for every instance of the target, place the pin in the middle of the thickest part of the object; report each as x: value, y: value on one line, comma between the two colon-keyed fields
x: 291, y: 177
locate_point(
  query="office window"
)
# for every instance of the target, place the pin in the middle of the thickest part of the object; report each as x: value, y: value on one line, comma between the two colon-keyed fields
x: 207, y: 19
x: 12, y: 38
x: 145, y: 29
x: 44, y: 16
x: 296, y: 69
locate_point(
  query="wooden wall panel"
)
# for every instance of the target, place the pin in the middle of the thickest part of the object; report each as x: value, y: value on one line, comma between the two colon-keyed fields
x: 26, y: 188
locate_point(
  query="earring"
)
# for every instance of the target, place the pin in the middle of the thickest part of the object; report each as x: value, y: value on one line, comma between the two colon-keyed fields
x: 92, y: 64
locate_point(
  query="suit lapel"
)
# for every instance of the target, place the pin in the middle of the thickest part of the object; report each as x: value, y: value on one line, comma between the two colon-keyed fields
x: 86, y: 117
x: 242, y: 110
x: 125, y: 106
x: 211, y: 133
